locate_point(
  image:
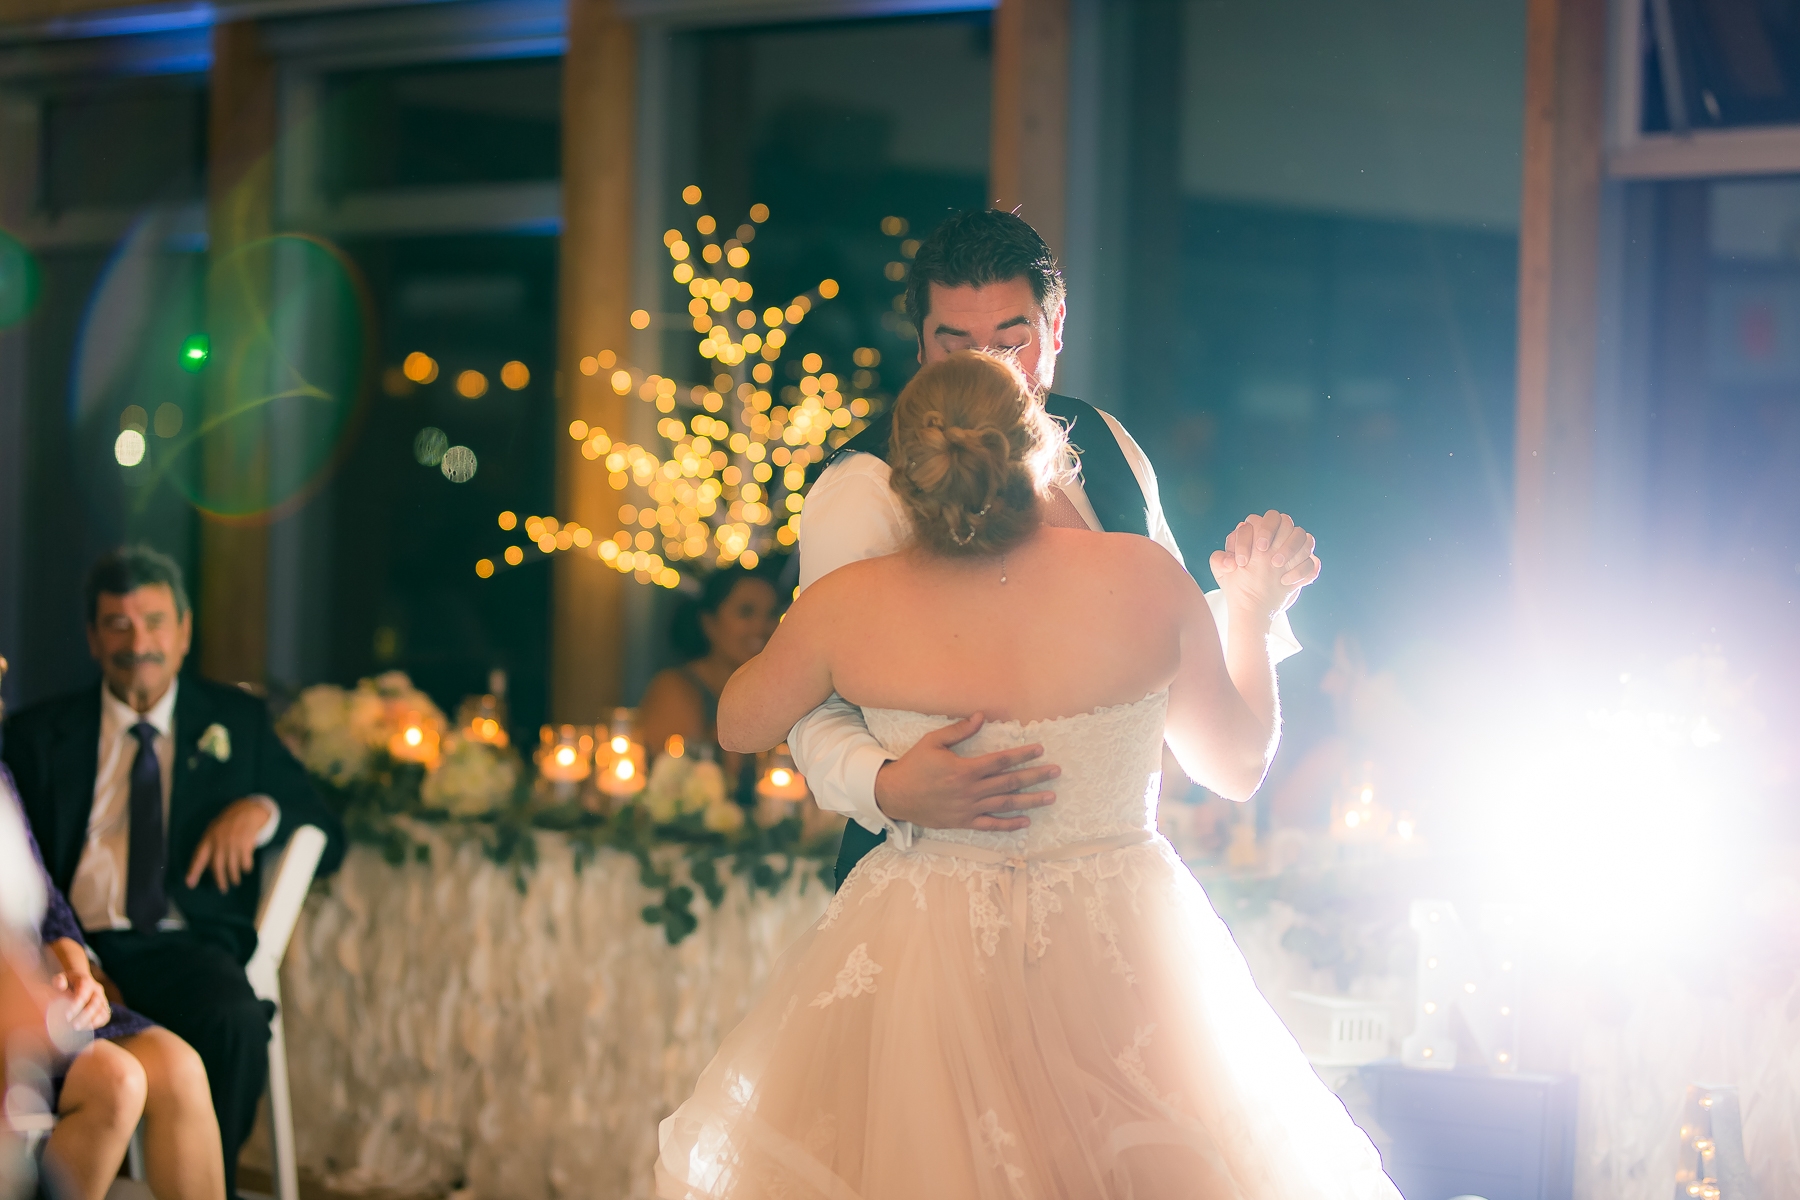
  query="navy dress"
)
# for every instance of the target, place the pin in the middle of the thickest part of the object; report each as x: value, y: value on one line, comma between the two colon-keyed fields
x: 60, y: 922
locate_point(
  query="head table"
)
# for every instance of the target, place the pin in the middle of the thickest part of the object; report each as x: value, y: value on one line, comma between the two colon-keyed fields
x: 457, y: 1026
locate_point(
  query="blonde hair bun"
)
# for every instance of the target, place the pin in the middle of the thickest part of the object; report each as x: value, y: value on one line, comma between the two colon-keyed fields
x: 972, y: 453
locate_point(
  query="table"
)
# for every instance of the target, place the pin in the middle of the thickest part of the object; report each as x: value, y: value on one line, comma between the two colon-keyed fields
x: 451, y: 1029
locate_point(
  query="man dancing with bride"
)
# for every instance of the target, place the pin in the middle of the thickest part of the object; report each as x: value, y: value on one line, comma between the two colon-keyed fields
x: 1035, y: 999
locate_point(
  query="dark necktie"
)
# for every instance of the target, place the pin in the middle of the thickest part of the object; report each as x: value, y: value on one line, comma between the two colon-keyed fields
x: 145, y: 902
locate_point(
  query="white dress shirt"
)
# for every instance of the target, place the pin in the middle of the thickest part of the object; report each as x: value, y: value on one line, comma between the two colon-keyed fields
x: 97, y: 892
x: 851, y: 514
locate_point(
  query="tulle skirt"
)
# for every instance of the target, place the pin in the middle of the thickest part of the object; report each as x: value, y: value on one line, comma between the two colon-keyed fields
x: 961, y: 1025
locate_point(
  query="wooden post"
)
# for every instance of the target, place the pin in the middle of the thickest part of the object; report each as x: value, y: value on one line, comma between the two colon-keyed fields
x: 234, y: 542
x: 1028, y: 147
x: 597, y: 252
x: 1559, y: 247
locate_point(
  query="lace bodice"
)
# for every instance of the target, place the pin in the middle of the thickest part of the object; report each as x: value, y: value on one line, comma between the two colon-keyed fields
x: 1111, y: 762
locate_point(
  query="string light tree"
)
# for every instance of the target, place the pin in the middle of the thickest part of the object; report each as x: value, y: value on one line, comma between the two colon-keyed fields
x: 725, y: 485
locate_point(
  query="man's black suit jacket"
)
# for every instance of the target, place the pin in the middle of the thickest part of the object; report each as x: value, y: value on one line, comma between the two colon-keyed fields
x: 53, y: 748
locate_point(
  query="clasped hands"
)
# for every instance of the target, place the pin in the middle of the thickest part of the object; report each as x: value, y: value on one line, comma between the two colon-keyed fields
x: 933, y: 786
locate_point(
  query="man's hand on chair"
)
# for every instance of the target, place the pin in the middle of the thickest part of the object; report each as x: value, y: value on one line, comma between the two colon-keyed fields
x: 228, y: 847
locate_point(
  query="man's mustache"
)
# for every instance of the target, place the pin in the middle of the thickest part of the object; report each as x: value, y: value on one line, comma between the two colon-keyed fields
x: 125, y: 660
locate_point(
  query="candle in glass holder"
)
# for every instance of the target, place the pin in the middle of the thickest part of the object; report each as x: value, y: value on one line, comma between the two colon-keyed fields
x: 416, y: 741
x: 564, y: 756
x: 619, y: 759
x: 781, y: 780
x: 779, y: 788
x: 483, y: 719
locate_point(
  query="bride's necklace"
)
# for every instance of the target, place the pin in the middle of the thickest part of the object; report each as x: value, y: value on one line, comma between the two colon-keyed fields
x: 1003, y: 568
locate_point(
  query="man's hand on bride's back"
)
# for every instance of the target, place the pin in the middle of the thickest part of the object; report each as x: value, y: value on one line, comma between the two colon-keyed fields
x: 933, y: 786
x: 1266, y: 561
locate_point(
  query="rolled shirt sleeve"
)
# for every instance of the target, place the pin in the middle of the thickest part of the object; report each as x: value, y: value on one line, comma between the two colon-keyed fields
x: 851, y: 514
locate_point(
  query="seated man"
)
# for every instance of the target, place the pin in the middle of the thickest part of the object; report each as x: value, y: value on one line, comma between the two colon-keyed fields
x: 150, y: 795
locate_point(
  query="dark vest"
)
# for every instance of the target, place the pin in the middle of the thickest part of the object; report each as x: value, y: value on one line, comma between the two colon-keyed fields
x: 1106, y: 478
x: 1105, y: 475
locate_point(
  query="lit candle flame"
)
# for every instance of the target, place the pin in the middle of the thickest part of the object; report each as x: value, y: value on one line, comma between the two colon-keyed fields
x: 780, y: 777
x: 620, y: 745
x: 414, y: 735
x: 565, y: 756
x: 625, y: 770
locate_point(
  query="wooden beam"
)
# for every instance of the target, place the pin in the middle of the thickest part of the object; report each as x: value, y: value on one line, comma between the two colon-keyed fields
x: 1028, y: 146
x: 597, y: 251
x: 1559, y: 249
x: 232, y: 605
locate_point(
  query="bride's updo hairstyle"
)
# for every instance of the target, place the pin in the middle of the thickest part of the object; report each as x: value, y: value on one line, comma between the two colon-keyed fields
x: 972, y: 453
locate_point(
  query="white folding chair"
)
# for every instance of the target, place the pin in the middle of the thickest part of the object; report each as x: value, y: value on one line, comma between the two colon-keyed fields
x: 284, y: 892
x: 275, y: 920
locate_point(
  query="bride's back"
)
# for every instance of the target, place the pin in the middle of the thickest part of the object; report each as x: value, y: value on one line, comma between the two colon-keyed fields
x: 990, y: 611
x: 1083, y: 621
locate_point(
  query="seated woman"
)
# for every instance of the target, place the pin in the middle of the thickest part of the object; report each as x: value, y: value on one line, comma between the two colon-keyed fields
x: 132, y: 1069
x: 716, y: 633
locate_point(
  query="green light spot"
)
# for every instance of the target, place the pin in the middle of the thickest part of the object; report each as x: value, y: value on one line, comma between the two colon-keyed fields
x: 195, y: 350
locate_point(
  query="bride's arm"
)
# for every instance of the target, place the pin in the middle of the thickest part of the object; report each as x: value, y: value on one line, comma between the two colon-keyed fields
x: 790, y: 678
x: 1224, y: 711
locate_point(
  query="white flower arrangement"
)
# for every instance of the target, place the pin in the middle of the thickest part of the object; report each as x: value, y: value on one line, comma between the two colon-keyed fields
x: 472, y: 778
x: 686, y: 784
x: 335, y: 732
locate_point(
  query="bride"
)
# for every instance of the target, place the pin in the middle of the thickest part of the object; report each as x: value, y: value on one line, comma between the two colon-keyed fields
x: 1051, y: 1012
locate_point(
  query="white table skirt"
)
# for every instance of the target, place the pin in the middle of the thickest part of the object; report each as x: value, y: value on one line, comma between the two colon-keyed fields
x: 445, y: 1030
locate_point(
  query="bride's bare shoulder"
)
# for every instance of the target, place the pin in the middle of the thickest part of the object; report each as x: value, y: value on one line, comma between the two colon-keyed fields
x: 852, y: 579
x: 1127, y: 554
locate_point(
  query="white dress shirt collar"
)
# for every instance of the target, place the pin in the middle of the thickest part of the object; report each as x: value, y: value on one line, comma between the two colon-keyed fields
x: 117, y: 717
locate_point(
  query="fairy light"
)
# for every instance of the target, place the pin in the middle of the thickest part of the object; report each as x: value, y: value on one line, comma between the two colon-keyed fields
x: 724, y: 484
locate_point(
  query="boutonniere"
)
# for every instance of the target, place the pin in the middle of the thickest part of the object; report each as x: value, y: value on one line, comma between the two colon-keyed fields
x: 215, y: 743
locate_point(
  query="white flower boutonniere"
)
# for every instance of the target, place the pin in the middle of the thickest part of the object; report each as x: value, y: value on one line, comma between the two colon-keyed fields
x: 216, y: 743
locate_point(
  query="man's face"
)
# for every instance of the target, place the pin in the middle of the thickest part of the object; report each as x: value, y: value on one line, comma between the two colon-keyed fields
x: 139, y: 642
x: 995, y: 316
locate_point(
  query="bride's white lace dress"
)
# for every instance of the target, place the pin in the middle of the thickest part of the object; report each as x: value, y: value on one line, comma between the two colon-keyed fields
x: 1055, y: 1013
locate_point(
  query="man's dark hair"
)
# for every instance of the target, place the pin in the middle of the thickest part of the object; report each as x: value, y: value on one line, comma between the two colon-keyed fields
x: 979, y: 247
x: 127, y: 569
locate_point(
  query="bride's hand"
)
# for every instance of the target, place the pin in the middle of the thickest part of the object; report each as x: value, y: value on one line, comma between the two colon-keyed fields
x: 1265, y: 563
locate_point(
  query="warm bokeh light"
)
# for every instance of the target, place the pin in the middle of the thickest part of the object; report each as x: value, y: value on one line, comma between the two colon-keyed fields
x: 509, y: 520
x: 759, y: 213
x: 471, y: 385
x: 420, y: 367
x: 724, y: 483
x: 484, y: 567
x: 515, y: 375
x: 514, y: 555
x: 691, y: 194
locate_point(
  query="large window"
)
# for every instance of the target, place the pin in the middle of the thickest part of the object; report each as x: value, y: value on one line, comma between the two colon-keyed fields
x: 115, y: 234
x: 1332, y: 333
x: 439, y: 182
